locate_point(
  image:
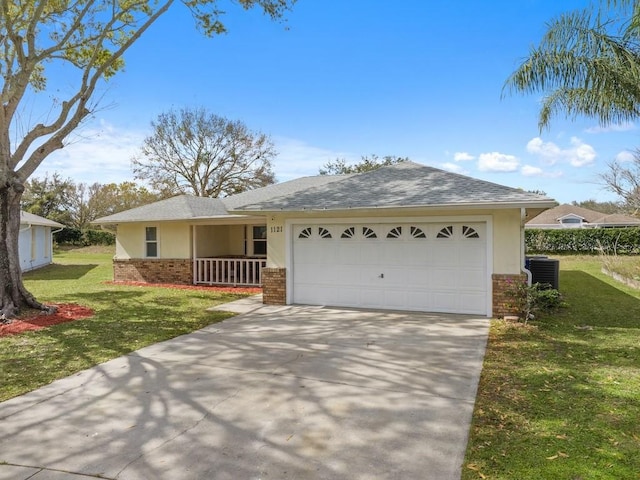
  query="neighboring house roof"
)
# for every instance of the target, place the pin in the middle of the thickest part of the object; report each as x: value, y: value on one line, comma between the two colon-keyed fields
x: 552, y: 218
x: 27, y: 218
x: 405, y: 184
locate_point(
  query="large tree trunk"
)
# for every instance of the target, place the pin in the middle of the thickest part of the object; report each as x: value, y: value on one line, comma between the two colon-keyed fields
x: 13, y: 294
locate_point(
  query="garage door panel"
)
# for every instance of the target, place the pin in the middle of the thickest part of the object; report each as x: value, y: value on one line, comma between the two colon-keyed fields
x: 369, y: 253
x: 471, y: 279
x: 445, y: 301
x: 471, y: 303
x: 417, y: 253
x: 405, y: 267
x: 347, y: 252
x: 370, y: 276
x: 472, y: 255
x: 395, y: 299
x: 372, y: 297
x: 444, y: 254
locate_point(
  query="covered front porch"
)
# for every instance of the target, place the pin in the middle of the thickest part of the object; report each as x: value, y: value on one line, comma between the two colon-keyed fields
x: 229, y: 254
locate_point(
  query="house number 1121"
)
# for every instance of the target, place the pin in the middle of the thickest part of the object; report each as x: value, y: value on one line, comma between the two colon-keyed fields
x: 276, y: 229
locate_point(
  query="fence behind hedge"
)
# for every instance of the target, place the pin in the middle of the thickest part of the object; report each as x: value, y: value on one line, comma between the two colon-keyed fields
x: 584, y: 240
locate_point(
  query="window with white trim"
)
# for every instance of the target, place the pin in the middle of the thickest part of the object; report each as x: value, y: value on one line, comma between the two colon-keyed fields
x: 151, y: 241
x: 259, y: 235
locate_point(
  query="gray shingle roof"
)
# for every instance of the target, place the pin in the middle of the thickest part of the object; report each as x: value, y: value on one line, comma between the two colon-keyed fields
x: 182, y: 207
x: 31, y: 219
x: 406, y: 184
x: 188, y: 207
x: 269, y: 192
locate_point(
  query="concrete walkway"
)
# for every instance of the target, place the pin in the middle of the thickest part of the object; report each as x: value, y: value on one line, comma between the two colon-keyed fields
x: 274, y: 393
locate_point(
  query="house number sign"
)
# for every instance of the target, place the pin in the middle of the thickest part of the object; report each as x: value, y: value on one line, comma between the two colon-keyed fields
x: 276, y: 229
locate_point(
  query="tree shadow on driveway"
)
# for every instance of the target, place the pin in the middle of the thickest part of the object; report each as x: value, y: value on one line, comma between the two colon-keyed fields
x: 303, y: 393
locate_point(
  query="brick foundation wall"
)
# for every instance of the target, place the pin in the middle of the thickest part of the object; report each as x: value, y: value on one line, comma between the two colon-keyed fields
x: 274, y: 286
x: 502, y: 301
x: 147, y: 270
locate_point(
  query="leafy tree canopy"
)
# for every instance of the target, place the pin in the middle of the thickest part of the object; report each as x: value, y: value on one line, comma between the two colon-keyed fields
x: 588, y: 63
x: 196, y: 152
x: 602, y: 207
x: 76, y: 205
x: 87, y: 40
x: 339, y: 166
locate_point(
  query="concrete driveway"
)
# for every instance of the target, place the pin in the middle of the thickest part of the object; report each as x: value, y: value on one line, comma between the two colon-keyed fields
x: 277, y: 393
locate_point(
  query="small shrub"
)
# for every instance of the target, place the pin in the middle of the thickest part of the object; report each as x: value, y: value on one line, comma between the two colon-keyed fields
x: 533, y: 300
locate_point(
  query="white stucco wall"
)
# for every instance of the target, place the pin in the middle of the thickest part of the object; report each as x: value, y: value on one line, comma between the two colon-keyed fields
x: 174, y: 240
x: 34, y: 244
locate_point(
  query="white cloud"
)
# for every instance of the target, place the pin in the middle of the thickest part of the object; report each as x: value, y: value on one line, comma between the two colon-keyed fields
x: 497, y: 162
x: 531, y: 171
x: 101, y: 154
x: 619, y: 127
x: 549, y: 151
x: 625, y: 156
x: 453, y: 167
x: 582, y: 153
x: 462, y: 157
x: 579, y: 154
x: 298, y: 159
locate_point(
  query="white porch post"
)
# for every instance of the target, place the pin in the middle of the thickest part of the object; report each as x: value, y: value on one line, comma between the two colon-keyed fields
x: 194, y: 254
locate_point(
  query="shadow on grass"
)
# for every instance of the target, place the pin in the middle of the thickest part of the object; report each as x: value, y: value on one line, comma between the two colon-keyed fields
x: 596, y: 303
x: 60, y: 272
x: 559, y: 399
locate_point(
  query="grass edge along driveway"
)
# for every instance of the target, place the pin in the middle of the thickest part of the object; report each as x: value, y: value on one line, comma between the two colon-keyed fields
x: 560, y: 399
x: 126, y: 319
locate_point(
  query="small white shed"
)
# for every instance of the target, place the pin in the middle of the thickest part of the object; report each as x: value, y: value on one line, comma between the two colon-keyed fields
x: 36, y: 241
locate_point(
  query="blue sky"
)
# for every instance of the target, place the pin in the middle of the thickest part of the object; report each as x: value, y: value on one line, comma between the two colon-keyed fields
x: 412, y: 78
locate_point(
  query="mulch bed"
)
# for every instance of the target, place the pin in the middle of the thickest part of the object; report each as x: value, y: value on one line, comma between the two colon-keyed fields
x: 67, y: 312
x: 238, y: 290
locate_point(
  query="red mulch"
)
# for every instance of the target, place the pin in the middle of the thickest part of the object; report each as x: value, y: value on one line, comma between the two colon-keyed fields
x: 67, y: 312
x: 238, y: 290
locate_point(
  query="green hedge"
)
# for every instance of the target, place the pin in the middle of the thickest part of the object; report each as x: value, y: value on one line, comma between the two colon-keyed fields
x: 584, y: 240
x: 76, y: 236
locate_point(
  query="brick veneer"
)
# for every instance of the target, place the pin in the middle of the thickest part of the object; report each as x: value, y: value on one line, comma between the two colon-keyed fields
x: 274, y: 286
x: 178, y: 271
x: 502, y: 300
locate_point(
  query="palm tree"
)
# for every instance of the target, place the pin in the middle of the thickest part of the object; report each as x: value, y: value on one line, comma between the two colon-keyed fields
x: 588, y: 63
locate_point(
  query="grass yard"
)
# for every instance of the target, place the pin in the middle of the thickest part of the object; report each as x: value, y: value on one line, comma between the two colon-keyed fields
x: 126, y: 319
x: 560, y: 398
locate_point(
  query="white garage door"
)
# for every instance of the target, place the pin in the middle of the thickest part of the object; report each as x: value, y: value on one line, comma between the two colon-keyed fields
x: 435, y: 267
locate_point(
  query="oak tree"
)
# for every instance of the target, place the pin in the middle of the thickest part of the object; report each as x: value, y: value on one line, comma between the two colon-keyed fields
x: 87, y: 40
x: 339, y: 166
x: 196, y: 152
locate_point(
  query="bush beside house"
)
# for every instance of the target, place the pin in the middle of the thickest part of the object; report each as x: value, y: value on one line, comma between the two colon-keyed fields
x: 84, y: 237
x: 584, y: 240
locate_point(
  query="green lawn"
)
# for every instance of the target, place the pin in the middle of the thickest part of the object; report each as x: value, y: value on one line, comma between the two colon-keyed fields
x: 126, y: 319
x: 560, y: 399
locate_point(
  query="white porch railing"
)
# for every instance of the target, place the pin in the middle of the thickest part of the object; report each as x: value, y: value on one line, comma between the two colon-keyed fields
x: 228, y: 271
